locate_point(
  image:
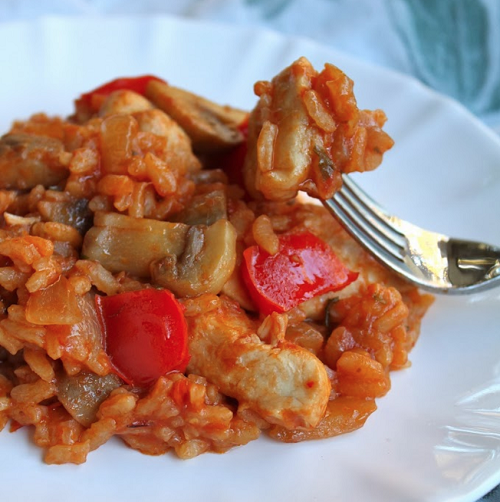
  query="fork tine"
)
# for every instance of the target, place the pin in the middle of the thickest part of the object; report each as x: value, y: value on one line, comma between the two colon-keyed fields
x: 389, y: 221
x: 380, y: 226
x: 427, y: 259
x: 357, y: 222
x: 370, y: 245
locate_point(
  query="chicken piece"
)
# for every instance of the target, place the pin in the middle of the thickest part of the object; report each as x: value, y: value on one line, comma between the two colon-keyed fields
x: 306, y: 130
x: 27, y: 160
x: 149, y: 119
x: 177, y: 151
x: 124, y: 101
x: 284, y: 384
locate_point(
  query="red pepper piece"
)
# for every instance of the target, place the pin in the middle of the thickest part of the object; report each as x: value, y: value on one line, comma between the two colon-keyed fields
x: 304, y: 267
x: 145, y: 334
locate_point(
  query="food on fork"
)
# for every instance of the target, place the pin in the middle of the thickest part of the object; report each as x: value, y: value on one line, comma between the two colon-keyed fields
x: 306, y: 130
x: 162, y: 281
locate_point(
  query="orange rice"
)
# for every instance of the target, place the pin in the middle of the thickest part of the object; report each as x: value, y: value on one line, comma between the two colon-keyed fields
x: 122, y: 164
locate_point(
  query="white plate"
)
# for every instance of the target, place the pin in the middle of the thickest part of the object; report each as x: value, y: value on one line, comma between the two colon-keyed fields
x: 436, y: 435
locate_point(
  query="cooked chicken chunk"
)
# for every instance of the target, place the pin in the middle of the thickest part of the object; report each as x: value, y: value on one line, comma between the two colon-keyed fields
x: 284, y: 384
x: 124, y: 101
x: 177, y: 152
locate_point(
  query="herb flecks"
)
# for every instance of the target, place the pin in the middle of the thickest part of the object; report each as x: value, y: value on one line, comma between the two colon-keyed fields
x: 326, y: 165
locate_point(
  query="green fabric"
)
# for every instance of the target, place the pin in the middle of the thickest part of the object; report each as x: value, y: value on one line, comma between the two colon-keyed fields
x: 452, y: 46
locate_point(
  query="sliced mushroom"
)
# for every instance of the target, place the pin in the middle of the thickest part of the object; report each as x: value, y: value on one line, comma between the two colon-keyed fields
x: 82, y: 394
x: 187, y: 260
x: 27, y: 160
x: 207, y: 262
x: 210, y: 126
x: 68, y: 210
x: 121, y: 242
x: 205, y: 209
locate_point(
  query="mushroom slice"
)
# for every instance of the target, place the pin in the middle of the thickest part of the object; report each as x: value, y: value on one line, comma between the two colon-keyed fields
x: 188, y: 260
x: 206, y: 263
x: 82, y: 394
x: 210, y: 126
x: 121, y: 242
x: 205, y: 208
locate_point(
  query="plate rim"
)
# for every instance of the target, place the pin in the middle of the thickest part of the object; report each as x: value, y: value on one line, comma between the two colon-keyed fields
x: 287, y: 38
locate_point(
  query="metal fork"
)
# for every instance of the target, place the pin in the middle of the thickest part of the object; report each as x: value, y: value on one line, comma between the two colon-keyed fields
x: 432, y: 261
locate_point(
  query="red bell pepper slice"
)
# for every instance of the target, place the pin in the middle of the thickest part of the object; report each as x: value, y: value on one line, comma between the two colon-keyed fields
x: 93, y: 99
x: 145, y: 334
x: 304, y: 267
